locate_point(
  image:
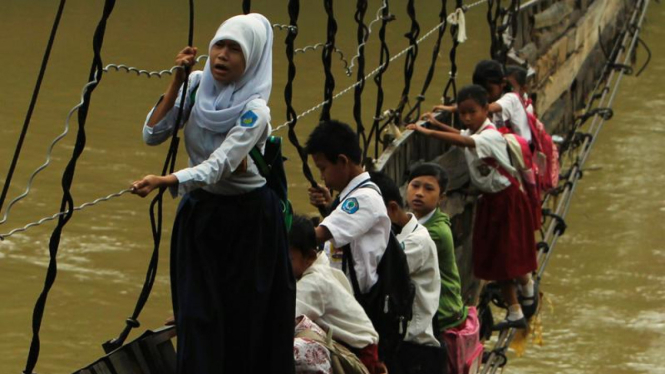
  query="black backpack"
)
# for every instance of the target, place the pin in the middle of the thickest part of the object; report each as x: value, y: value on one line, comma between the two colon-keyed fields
x: 389, y: 302
x: 271, y: 167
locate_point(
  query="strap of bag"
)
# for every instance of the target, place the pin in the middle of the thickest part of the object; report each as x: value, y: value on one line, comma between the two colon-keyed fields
x: 347, y: 259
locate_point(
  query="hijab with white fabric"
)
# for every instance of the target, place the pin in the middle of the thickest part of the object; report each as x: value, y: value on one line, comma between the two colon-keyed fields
x: 219, y: 105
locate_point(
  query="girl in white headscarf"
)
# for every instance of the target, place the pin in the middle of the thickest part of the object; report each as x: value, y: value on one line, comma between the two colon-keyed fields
x: 232, y: 285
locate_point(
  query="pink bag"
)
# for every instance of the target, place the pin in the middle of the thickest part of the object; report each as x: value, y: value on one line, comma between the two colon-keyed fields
x: 464, y: 350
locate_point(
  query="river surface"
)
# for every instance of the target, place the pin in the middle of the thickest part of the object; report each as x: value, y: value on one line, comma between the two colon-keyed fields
x: 605, y: 282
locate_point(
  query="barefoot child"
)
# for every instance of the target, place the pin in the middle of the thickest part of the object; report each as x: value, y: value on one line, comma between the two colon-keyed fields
x: 324, y: 295
x: 232, y: 285
x: 503, y: 239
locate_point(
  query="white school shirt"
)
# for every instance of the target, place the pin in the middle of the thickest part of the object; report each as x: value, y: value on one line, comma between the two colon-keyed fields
x: 512, y: 110
x: 529, y: 107
x: 423, y: 263
x: 361, y: 220
x: 489, y: 144
x: 214, y: 156
x: 324, y: 295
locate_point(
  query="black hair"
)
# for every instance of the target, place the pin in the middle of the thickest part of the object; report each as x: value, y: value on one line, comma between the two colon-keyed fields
x: 302, y: 236
x: 430, y: 169
x: 334, y: 138
x: 389, y: 190
x: 517, y: 72
x: 488, y: 71
x: 473, y: 92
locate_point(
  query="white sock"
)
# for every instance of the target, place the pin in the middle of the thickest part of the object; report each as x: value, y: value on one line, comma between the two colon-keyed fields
x: 527, y: 291
x: 514, y: 312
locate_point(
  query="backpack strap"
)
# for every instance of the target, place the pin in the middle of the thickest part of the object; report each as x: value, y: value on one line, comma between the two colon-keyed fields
x: 348, y: 263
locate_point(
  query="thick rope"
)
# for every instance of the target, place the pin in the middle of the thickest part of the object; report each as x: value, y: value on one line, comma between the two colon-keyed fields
x: 156, y: 211
x: 430, y: 72
x: 33, y: 102
x: 326, y: 57
x: 451, y: 86
x: 361, y: 35
x: 384, y: 61
x: 67, y: 203
x: 410, y: 60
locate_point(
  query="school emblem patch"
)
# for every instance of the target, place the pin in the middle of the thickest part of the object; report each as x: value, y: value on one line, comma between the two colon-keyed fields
x: 350, y: 205
x: 248, y: 119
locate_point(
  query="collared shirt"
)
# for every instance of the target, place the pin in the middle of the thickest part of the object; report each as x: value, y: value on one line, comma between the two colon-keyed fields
x: 361, y: 220
x: 213, y: 156
x: 324, y: 295
x: 489, y: 144
x: 513, y: 110
x: 423, y: 263
x: 426, y: 217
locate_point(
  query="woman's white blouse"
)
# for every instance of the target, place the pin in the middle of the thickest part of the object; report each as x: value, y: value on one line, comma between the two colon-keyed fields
x: 214, y: 156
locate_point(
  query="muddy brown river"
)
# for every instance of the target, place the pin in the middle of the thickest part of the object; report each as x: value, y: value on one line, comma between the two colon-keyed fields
x: 605, y: 283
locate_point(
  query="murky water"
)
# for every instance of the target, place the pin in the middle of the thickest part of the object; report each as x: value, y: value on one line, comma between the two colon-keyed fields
x: 605, y: 281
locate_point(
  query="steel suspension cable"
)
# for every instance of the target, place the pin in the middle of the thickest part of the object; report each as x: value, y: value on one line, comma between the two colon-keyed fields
x: 67, y: 203
x: 33, y: 103
x: 246, y: 6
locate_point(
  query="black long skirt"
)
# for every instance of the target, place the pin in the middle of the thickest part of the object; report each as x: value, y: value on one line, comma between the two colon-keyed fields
x: 232, y: 285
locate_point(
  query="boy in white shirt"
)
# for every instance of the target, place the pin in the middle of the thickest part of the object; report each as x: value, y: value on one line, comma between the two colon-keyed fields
x: 360, y: 220
x: 420, y: 352
x: 324, y: 295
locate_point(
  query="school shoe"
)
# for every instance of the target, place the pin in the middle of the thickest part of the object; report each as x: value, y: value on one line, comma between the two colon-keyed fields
x: 530, y: 310
x: 506, y: 324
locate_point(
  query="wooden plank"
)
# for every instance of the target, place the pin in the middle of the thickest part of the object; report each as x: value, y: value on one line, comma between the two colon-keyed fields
x: 600, y: 14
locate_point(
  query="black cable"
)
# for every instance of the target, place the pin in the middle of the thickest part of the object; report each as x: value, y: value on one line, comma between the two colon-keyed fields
x: 326, y: 57
x: 156, y: 216
x: 410, y: 60
x: 361, y: 35
x: 246, y: 6
x: 384, y: 62
x: 67, y: 203
x: 646, y: 47
x: 430, y: 72
x: 493, y: 7
x: 33, y: 102
x: 452, y: 85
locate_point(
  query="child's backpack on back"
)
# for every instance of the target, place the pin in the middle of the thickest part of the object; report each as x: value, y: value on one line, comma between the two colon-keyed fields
x: 389, y: 302
x: 545, y: 155
x: 271, y: 167
x: 521, y: 159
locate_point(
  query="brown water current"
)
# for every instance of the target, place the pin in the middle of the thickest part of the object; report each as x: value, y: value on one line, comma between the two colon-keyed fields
x: 605, y: 282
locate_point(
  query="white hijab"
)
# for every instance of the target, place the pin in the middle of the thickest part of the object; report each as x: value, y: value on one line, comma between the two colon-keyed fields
x: 218, y: 105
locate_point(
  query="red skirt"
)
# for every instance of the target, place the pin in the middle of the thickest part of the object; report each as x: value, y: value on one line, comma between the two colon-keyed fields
x: 503, y: 235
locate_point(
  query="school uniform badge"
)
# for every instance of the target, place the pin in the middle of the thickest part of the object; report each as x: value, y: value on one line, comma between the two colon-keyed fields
x: 350, y: 205
x: 248, y: 119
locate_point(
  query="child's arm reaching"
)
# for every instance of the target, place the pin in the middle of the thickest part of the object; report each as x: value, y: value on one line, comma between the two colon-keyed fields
x: 429, y: 117
x: 451, y: 138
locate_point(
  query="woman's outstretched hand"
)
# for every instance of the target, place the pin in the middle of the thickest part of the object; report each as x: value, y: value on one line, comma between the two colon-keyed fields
x: 144, y: 186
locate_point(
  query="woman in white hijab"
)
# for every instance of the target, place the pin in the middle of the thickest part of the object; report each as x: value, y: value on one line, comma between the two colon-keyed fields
x: 232, y: 285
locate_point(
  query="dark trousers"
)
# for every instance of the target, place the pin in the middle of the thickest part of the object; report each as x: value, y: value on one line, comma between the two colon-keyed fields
x: 232, y: 285
x: 418, y: 359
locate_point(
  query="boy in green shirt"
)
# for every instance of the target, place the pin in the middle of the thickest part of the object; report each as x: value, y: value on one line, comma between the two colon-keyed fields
x: 426, y: 188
